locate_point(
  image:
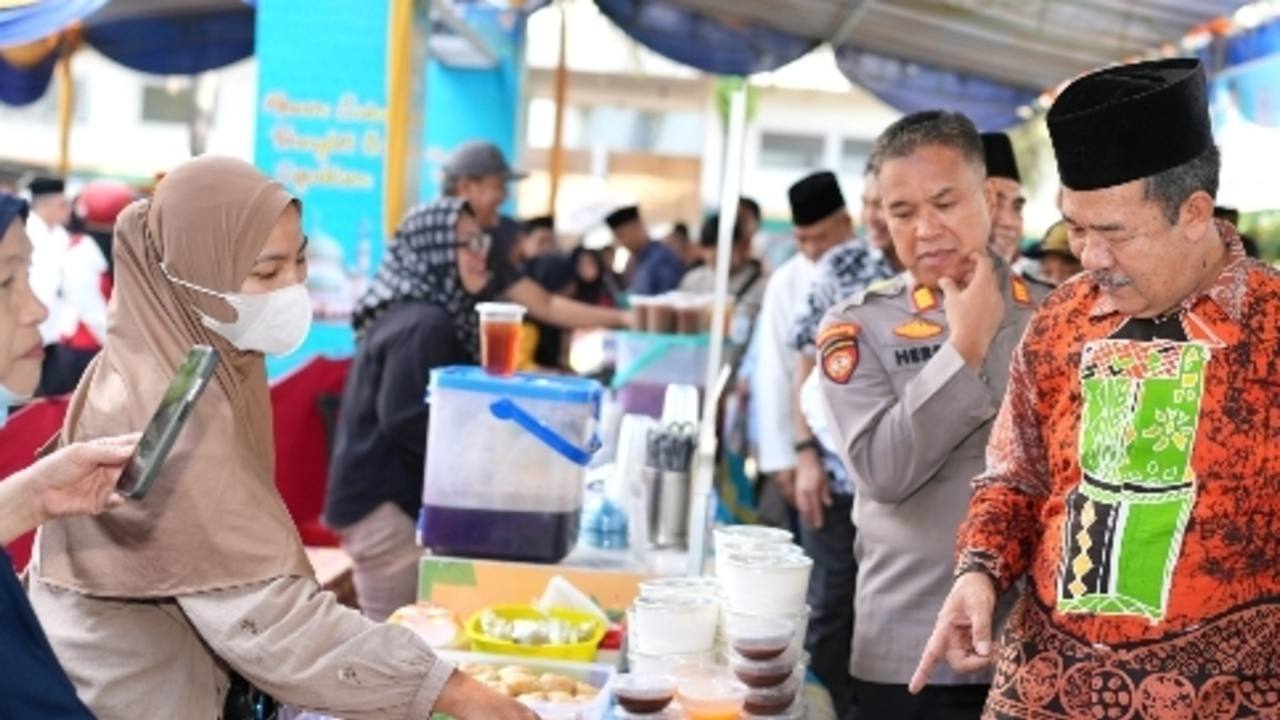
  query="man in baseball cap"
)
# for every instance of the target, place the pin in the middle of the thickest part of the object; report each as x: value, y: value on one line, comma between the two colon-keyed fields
x: 479, y: 173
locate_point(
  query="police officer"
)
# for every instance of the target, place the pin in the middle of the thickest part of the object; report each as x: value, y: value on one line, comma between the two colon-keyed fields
x: 912, y: 373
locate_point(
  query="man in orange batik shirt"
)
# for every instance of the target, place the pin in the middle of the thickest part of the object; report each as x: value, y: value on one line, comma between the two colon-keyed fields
x: 1134, y: 470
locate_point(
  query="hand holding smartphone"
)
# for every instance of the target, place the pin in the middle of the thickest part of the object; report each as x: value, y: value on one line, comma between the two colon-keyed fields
x: 167, y: 422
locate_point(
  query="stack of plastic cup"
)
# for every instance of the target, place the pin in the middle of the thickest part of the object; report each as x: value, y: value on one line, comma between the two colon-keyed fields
x: 764, y: 579
x: 763, y: 656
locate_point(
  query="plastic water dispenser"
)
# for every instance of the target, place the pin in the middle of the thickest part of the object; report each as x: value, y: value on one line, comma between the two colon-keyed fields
x: 506, y: 462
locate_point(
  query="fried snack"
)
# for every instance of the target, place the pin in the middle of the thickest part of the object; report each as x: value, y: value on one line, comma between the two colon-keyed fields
x: 518, y: 686
x: 585, y: 691
x: 515, y: 671
x: 520, y: 682
x: 556, y: 683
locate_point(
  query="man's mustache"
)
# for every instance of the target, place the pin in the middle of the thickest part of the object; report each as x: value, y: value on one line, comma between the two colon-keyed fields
x: 1111, y: 281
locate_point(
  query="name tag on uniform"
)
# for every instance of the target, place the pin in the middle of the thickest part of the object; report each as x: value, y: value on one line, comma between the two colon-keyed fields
x: 912, y: 355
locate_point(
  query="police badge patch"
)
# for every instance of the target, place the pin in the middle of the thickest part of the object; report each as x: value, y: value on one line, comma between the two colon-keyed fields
x: 838, y: 352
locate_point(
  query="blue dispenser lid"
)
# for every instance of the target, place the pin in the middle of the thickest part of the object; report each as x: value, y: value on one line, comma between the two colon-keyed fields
x: 532, y: 386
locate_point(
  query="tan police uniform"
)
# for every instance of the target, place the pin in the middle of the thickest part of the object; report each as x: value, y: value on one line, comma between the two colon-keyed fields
x: 911, y: 422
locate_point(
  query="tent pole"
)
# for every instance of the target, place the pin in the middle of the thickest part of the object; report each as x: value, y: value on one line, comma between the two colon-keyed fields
x: 556, y: 160
x: 705, y: 462
x: 399, y: 97
x: 66, y: 103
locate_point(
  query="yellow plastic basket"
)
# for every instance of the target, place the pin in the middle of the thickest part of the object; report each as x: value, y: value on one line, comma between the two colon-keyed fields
x: 577, y: 652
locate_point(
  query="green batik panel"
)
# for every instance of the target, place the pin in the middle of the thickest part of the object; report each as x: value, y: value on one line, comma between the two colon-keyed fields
x: 1159, y: 453
x: 1140, y: 414
x: 1151, y: 539
x: 1106, y: 419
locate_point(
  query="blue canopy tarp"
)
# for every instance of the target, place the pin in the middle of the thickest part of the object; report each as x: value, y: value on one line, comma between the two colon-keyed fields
x: 985, y: 59
x: 177, y: 37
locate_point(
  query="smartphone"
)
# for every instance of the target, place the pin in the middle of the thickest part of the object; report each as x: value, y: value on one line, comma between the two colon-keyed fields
x: 165, y: 425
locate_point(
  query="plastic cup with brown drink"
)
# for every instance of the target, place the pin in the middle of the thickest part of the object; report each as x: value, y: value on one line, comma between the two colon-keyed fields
x: 690, y: 316
x: 500, y: 337
x: 662, y: 314
x: 643, y: 307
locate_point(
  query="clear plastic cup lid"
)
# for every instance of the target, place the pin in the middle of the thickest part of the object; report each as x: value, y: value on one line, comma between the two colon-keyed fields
x: 756, y: 533
x: 714, y: 686
x: 675, y: 602
x: 731, y: 545
x: 683, y: 586
x: 644, y: 686
x: 500, y: 311
x: 769, y: 560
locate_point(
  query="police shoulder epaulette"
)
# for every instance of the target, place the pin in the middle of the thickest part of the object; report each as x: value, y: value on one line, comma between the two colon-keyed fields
x: 889, y: 287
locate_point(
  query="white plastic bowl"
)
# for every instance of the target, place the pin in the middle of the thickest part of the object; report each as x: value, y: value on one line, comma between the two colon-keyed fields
x: 765, y: 583
x: 674, y: 625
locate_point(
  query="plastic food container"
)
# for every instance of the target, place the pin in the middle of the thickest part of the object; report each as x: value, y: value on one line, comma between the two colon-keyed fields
x: 674, y: 625
x: 506, y: 460
x: 797, y: 711
x: 766, y: 673
x: 598, y: 676
x: 776, y: 700
x: 712, y: 696
x: 584, y: 651
x: 800, y: 620
x: 642, y: 663
x: 644, y: 695
x: 760, y: 638
x: 765, y: 583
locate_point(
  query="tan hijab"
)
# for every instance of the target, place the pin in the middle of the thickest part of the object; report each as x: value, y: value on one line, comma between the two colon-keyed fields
x: 214, y: 518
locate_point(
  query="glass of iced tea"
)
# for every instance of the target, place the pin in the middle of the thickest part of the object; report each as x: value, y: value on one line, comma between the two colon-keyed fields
x: 499, y: 337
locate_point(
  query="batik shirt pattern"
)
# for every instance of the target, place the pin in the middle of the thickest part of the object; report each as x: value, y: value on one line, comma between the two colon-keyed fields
x: 1136, y: 482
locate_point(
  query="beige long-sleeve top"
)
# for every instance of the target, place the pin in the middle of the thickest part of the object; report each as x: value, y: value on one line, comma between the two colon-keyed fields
x: 132, y: 659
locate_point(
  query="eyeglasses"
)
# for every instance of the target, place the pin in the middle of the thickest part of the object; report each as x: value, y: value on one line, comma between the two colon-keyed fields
x: 478, y: 243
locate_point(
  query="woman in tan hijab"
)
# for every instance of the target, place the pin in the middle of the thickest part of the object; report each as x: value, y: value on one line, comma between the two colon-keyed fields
x: 148, y: 607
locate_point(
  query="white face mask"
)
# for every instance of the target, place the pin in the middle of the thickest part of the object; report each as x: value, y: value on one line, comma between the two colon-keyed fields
x: 272, y: 323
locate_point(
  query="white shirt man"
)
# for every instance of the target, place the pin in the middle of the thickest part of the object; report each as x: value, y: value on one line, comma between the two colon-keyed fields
x: 50, y: 212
